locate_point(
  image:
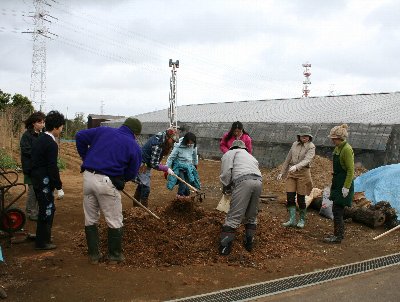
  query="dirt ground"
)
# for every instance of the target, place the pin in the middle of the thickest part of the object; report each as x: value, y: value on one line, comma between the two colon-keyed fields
x: 177, y: 256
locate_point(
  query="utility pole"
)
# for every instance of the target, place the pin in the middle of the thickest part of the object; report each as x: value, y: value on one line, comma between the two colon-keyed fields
x: 40, y: 34
x: 306, y: 82
x: 172, y: 111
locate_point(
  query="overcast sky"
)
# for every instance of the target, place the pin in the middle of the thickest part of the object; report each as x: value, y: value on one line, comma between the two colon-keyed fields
x: 116, y: 53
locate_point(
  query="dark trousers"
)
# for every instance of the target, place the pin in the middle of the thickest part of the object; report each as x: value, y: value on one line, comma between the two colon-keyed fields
x: 338, y: 221
x: 183, y: 189
x: 45, y: 198
x: 291, y: 200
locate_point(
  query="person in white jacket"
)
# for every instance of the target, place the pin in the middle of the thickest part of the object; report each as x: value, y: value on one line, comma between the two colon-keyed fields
x: 239, y: 170
x: 297, y: 169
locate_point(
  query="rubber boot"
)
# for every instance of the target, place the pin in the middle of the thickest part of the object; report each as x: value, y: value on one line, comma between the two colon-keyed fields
x: 302, y: 220
x: 292, y: 217
x: 226, y: 240
x: 337, y: 236
x: 115, y: 246
x: 249, y: 236
x: 92, y: 240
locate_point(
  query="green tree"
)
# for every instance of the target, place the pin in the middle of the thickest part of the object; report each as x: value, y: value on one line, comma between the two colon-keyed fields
x: 73, y: 126
x: 22, y: 103
x: 5, y: 99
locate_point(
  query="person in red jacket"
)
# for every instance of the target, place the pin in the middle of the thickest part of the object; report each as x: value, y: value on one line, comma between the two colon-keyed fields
x: 236, y: 133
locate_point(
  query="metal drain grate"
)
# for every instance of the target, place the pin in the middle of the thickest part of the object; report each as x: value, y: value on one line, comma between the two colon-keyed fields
x: 258, y: 290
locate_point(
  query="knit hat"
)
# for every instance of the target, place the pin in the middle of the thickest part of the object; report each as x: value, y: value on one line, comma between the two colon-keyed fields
x: 238, y: 144
x: 304, y: 130
x: 173, y: 133
x: 134, y: 125
x: 339, y: 132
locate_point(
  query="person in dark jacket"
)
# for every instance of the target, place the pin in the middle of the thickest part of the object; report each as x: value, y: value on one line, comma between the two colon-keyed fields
x: 46, y: 178
x: 153, y: 151
x: 34, y: 125
x: 342, y: 188
x: 111, y: 156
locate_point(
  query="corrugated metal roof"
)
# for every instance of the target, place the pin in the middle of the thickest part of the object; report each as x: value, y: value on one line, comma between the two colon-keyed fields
x: 378, y: 108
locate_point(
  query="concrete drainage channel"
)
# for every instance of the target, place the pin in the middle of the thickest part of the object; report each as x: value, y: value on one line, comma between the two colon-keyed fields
x: 269, y: 288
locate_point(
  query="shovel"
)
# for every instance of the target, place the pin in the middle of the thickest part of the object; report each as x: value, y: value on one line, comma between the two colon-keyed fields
x: 140, y: 205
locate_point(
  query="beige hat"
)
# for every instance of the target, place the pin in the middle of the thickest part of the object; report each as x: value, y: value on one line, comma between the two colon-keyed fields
x: 339, y: 132
x: 303, y: 131
x: 238, y: 144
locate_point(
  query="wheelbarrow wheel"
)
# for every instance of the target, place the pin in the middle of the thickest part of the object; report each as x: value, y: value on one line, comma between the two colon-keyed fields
x: 12, y: 220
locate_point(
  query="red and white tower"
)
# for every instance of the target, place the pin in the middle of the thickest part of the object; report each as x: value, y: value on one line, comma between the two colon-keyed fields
x: 306, y: 82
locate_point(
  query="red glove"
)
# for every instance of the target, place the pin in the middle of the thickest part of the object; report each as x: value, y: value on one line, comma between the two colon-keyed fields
x: 165, y: 175
x: 195, y: 166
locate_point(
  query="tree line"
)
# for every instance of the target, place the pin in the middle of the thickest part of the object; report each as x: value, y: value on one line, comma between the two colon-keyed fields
x: 17, y: 108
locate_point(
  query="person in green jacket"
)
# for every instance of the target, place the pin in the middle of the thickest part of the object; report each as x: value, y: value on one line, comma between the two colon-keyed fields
x: 342, y: 188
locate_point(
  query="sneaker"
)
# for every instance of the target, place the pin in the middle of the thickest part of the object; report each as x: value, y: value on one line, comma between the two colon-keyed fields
x: 48, y: 246
x: 333, y: 239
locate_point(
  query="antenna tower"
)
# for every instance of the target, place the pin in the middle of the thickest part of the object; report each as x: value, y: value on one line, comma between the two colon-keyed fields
x: 172, y: 111
x: 40, y: 34
x: 306, y: 82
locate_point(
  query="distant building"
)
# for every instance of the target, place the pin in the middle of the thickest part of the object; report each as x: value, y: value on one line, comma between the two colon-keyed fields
x: 94, y: 120
x: 373, y: 119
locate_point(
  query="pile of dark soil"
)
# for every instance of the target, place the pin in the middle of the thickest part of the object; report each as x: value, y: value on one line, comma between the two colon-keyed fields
x: 188, y: 234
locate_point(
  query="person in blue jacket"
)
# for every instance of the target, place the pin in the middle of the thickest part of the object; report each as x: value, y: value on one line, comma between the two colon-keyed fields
x: 156, y: 147
x: 183, y: 160
x: 111, y: 156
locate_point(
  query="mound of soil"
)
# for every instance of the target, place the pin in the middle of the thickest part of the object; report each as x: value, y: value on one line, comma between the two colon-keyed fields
x: 188, y: 234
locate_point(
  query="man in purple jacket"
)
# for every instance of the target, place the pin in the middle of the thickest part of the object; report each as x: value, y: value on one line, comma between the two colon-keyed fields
x: 111, y: 156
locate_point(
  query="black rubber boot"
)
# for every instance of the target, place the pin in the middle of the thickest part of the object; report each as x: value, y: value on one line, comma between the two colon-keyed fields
x: 115, y: 246
x: 226, y: 240
x: 249, y: 236
x: 92, y: 240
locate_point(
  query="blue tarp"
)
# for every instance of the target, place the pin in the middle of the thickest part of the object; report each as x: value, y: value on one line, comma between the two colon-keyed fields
x: 381, y: 184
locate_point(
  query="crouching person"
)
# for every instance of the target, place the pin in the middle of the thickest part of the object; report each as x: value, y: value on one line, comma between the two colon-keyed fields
x: 111, y: 156
x: 239, y: 169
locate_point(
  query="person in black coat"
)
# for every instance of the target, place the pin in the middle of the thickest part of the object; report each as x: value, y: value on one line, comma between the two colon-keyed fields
x: 46, y: 178
x: 34, y: 125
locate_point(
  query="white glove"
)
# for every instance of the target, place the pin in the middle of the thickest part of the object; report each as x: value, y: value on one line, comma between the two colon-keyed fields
x: 292, y: 169
x: 170, y: 172
x: 279, y: 177
x: 345, y: 192
x: 60, y: 194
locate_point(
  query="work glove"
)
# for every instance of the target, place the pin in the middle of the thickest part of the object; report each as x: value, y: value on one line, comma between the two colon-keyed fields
x: 170, y: 172
x: 227, y: 190
x: 292, y: 169
x: 279, y: 177
x: 345, y: 192
x: 60, y: 194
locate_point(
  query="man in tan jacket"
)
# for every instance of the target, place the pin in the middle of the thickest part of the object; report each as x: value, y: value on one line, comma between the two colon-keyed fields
x: 297, y: 169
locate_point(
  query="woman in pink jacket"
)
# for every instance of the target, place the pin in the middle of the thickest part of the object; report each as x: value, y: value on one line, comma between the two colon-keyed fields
x: 236, y: 133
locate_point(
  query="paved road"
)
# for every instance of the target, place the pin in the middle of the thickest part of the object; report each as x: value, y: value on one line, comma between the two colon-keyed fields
x: 378, y: 286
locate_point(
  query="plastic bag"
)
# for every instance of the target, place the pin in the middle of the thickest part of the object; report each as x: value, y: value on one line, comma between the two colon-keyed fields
x: 224, y: 204
x: 326, y: 208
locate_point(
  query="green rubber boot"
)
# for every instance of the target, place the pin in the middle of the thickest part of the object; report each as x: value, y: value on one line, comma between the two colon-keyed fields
x: 92, y: 240
x: 302, y: 221
x: 292, y: 217
x: 115, y: 246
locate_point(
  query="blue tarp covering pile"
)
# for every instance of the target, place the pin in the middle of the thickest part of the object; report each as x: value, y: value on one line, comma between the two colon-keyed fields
x: 381, y: 184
